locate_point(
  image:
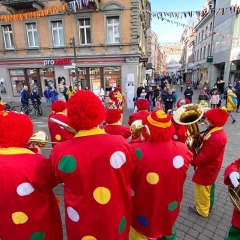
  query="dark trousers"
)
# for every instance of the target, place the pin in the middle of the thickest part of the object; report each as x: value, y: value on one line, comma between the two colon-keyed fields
x: 238, y: 104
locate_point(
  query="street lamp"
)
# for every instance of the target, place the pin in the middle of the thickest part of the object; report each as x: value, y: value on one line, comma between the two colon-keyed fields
x: 72, y: 43
x: 198, y: 67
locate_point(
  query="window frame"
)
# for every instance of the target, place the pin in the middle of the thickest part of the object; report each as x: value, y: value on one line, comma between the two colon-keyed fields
x: 109, y: 14
x: 85, y: 31
x: 53, y: 40
x: 27, y: 35
x: 3, y: 37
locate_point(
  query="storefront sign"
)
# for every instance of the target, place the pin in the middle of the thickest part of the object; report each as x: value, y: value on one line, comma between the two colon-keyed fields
x: 209, y: 59
x: 57, y: 62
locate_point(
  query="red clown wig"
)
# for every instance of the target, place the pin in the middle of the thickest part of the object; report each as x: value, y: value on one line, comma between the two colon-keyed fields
x: 182, y: 101
x: 142, y: 104
x: 59, y: 106
x: 16, y: 129
x: 85, y: 110
x: 160, y: 127
x: 217, y: 116
x: 112, y: 116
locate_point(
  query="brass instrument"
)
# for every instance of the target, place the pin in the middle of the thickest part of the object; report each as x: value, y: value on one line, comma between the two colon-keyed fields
x: 40, y: 139
x: 64, y: 125
x: 189, y: 115
x: 136, y: 129
x: 234, y: 194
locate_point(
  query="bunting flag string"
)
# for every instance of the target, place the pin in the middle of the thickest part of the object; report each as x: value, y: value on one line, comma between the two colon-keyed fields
x: 221, y: 11
x: 168, y: 43
x: 29, y: 15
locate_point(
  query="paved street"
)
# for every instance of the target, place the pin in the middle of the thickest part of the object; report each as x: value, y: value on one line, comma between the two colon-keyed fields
x: 189, y: 226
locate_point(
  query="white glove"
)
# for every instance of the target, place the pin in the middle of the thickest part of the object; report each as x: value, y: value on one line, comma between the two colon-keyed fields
x: 234, y: 177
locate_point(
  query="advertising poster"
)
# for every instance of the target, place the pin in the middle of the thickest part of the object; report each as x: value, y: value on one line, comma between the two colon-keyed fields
x: 130, y: 89
x: 112, y: 83
x: 95, y: 86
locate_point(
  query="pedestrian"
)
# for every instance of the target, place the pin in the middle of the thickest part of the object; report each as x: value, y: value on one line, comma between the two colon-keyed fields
x: 101, y: 167
x: 176, y: 98
x: 188, y: 93
x: 238, y: 99
x: 113, y: 125
x: 36, y: 100
x: 154, y: 217
x: 214, y: 101
x: 143, y: 94
x: 25, y: 96
x: 27, y: 203
x: 70, y: 92
x: 65, y: 89
x: 231, y: 177
x: 202, y: 96
x: 58, y: 133
x: 208, y: 161
x: 139, y: 90
x: 54, y: 95
x: 220, y: 86
x: 182, y: 85
x: 159, y: 104
x: 47, y: 95
x: 150, y: 97
x: 169, y: 100
x: 231, y: 104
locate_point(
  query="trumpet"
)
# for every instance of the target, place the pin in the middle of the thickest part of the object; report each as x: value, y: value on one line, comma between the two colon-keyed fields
x: 136, y: 129
x: 40, y: 139
x: 64, y: 125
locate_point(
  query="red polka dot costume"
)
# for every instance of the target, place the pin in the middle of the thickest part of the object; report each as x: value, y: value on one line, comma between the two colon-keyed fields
x: 114, y: 126
x: 58, y: 133
x: 142, y: 106
x: 234, y: 233
x: 157, y: 182
x: 29, y: 209
x: 95, y: 168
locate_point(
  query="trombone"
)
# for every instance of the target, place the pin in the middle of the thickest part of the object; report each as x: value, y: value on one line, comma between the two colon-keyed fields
x: 40, y: 139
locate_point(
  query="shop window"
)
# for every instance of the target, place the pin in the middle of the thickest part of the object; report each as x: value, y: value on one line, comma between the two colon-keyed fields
x: 95, y: 79
x: 81, y: 83
x: 47, y: 78
x: 112, y: 77
x: 8, y: 36
x: 18, y: 81
x: 84, y: 31
x: 113, y: 30
x: 57, y: 33
x: 32, y: 35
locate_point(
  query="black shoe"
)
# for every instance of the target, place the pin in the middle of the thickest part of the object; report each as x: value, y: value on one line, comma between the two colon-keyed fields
x: 194, y: 210
x: 233, y: 121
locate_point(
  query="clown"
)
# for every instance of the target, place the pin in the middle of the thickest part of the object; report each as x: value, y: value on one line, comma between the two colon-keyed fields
x: 116, y: 97
x: 231, y: 176
x: 58, y: 133
x: 142, y: 106
x: 95, y: 168
x: 111, y: 104
x: 29, y: 209
x: 113, y: 125
x: 180, y: 134
x: 208, y: 161
x: 155, y: 206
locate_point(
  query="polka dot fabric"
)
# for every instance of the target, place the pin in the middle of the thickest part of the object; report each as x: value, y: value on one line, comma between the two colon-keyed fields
x: 157, y: 186
x: 96, y: 191
x: 28, y: 207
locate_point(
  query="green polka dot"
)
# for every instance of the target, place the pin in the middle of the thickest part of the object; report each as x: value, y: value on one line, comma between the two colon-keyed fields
x: 37, y: 236
x: 138, y: 153
x: 67, y: 164
x: 122, y: 225
x: 172, y: 206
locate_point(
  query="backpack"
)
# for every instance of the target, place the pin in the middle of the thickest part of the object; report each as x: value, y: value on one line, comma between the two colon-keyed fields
x: 234, y: 100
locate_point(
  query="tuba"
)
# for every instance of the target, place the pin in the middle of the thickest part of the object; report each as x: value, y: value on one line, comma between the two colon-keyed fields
x: 189, y: 115
x: 234, y: 194
x: 64, y: 125
x: 136, y: 129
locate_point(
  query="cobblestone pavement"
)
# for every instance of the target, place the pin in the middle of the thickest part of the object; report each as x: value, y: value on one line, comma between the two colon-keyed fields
x: 189, y: 226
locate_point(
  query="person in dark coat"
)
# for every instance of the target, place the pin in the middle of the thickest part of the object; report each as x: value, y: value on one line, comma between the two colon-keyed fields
x: 150, y: 97
x: 188, y: 93
x: 169, y: 100
x: 139, y: 90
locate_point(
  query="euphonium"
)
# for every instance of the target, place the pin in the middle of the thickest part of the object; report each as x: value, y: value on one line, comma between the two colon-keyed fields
x: 189, y: 115
x: 136, y: 129
x: 64, y: 125
x: 234, y: 194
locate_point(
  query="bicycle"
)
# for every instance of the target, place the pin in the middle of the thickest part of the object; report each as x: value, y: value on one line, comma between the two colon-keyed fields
x: 30, y: 111
x: 10, y: 108
x: 38, y: 108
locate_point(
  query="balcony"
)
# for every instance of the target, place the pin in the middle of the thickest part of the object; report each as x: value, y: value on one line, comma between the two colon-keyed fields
x: 15, y: 5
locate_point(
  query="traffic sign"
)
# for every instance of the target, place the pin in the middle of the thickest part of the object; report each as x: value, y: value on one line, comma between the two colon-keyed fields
x: 69, y: 67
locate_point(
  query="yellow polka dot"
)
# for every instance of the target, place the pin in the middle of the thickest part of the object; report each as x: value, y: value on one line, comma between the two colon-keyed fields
x: 102, y: 195
x: 152, y: 178
x: 19, y: 217
x: 58, y: 137
x: 89, y: 238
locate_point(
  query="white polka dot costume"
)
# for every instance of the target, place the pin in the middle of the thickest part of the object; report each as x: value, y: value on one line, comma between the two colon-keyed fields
x: 96, y: 173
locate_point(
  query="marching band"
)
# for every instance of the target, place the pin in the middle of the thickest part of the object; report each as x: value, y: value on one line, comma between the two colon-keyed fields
x: 113, y: 189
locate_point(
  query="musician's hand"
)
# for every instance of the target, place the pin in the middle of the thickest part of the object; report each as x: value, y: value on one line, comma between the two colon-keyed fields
x: 234, y: 177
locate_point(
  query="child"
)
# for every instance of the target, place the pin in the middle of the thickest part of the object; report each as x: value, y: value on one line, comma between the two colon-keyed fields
x: 182, y: 85
x: 214, y: 101
x: 176, y: 97
x: 158, y: 104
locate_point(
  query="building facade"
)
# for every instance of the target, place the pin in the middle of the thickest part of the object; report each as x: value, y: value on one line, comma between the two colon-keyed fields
x: 39, y: 52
